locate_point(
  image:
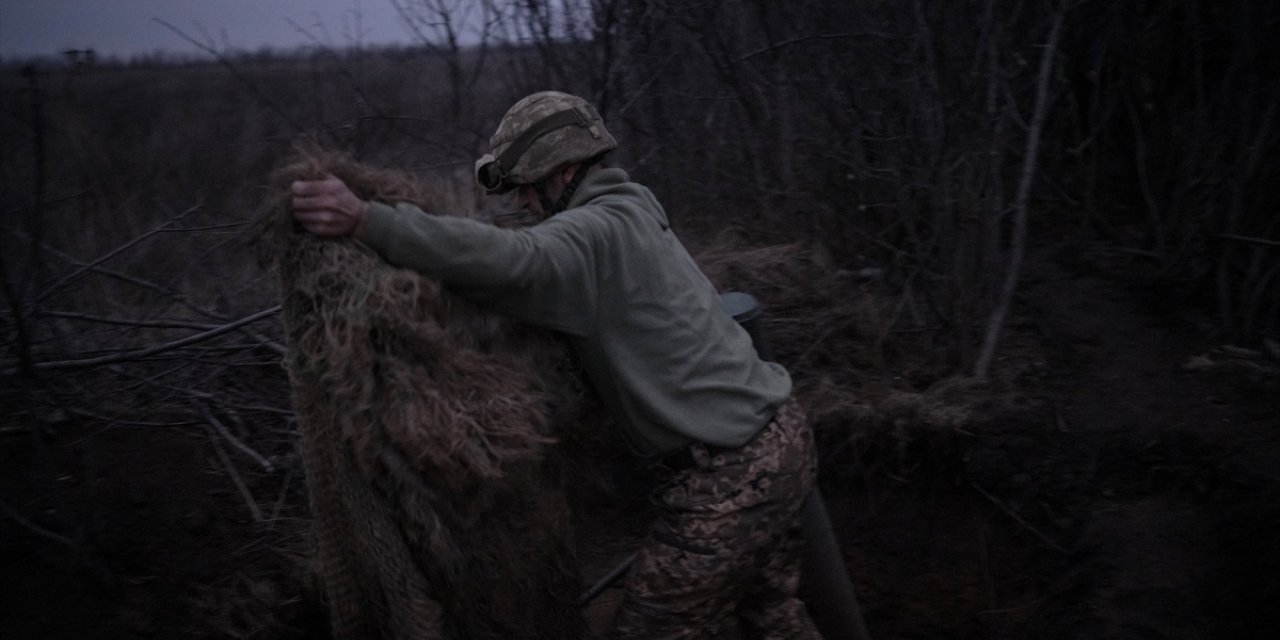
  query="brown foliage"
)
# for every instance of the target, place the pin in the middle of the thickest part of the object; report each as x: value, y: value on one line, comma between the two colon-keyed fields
x: 427, y: 427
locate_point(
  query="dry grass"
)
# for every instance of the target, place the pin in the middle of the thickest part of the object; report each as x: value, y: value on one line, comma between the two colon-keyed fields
x: 427, y: 428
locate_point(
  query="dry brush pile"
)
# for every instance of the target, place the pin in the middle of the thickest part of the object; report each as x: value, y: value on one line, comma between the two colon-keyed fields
x: 429, y: 431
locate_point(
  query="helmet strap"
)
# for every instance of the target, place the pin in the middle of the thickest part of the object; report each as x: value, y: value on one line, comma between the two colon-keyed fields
x: 548, y: 207
x: 573, y: 117
x: 574, y: 183
x: 566, y: 194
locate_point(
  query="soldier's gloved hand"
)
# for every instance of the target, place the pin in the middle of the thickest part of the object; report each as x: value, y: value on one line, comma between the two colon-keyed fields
x: 328, y: 208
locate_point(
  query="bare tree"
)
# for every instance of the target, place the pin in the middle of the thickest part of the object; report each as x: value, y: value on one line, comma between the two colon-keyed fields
x: 459, y: 33
x: 1018, y: 240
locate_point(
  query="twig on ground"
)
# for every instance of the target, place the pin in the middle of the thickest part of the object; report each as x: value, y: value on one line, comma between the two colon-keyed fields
x: 267, y: 342
x: 35, y: 528
x: 1027, y: 525
x: 284, y: 492
x: 87, y: 267
x: 1239, y: 238
x: 128, y: 322
x: 149, y: 351
x: 254, y: 510
x: 222, y: 431
x: 118, y: 421
x: 168, y: 293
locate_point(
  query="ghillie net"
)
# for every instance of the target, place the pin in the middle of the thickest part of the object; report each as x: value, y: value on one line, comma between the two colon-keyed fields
x: 428, y: 436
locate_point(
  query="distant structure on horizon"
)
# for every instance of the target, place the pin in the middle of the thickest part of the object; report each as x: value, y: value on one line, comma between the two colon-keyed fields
x: 80, y: 58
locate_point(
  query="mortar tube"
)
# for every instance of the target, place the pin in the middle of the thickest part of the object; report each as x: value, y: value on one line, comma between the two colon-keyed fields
x: 828, y: 592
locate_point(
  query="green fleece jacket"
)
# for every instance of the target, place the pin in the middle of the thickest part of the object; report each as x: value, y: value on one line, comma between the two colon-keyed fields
x: 608, y: 272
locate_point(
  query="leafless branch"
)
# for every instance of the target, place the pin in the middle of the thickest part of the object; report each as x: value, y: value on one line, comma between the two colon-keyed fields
x: 1013, y: 270
x: 35, y: 528
x: 1259, y: 241
x: 249, y: 501
x: 129, y: 279
x: 1050, y: 542
x: 150, y: 351
x: 280, y: 498
x: 235, y: 442
x: 128, y: 322
x: 85, y: 268
x: 235, y: 72
x: 794, y: 41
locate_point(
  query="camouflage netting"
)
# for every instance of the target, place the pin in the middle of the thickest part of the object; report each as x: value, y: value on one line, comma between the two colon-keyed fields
x: 428, y: 430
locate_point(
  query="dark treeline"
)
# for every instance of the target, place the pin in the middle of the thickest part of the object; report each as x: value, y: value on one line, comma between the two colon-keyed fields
x: 923, y: 137
x: 902, y: 128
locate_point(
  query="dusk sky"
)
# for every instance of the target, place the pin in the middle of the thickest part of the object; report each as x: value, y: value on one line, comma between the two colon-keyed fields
x: 125, y: 28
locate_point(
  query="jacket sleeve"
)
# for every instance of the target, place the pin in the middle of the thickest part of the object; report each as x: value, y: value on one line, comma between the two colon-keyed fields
x: 545, y: 274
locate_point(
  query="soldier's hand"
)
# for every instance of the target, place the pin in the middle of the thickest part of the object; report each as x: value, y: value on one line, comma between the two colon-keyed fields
x: 328, y: 208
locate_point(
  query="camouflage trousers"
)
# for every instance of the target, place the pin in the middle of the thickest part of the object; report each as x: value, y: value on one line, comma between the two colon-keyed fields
x: 723, y: 560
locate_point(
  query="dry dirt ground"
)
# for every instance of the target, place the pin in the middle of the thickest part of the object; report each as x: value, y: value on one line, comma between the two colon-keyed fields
x: 1132, y: 492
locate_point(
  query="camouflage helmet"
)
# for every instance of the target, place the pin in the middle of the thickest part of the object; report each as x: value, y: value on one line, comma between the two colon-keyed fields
x: 538, y: 134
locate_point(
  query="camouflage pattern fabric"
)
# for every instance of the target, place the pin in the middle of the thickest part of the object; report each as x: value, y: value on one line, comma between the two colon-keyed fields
x: 723, y: 560
x: 585, y: 138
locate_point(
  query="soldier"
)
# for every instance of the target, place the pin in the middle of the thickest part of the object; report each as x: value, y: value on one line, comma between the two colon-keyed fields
x: 681, y: 378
